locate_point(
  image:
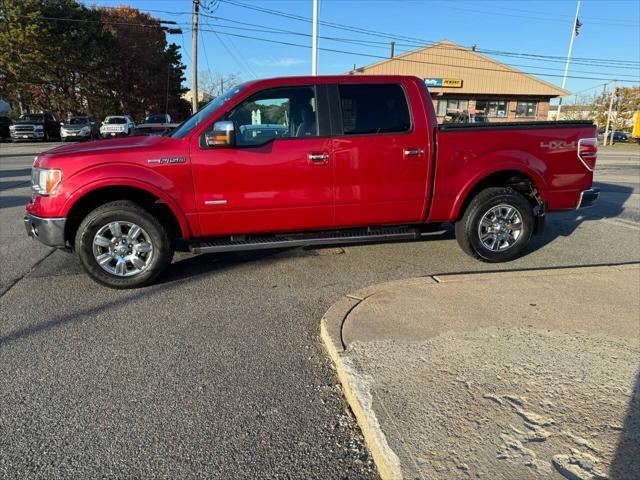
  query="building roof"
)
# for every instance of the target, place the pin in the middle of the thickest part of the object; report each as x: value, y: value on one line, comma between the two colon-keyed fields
x: 480, y: 75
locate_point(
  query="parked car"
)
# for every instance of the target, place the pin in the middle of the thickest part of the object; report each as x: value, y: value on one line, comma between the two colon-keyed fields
x: 620, y: 136
x: 35, y: 126
x: 353, y: 160
x: 617, y: 136
x: 5, y: 123
x: 117, y: 126
x: 156, y: 124
x: 79, y: 128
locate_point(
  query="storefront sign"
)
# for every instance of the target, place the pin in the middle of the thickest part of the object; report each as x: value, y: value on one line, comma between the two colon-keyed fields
x: 444, y: 82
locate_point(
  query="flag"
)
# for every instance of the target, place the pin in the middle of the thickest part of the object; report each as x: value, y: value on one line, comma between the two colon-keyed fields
x: 577, y: 27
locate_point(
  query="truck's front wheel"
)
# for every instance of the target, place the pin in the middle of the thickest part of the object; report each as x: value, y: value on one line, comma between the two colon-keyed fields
x: 496, y: 226
x: 121, y: 245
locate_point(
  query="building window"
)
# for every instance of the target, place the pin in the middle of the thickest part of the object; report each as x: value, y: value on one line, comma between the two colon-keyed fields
x: 493, y: 108
x: 526, y: 109
x: 451, y: 104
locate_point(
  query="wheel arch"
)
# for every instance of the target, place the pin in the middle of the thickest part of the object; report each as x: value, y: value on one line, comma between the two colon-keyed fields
x: 524, y: 180
x: 146, y: 196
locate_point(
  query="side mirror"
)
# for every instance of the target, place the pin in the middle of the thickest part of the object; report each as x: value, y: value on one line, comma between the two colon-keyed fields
x: 222, y: 135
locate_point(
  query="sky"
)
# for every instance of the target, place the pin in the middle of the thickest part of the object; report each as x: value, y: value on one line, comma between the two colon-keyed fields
x: 610, y: 32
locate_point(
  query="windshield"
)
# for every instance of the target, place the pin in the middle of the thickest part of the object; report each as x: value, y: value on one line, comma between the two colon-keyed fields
x: 113, y: 120
x: 33, y: 118
x: 155, y: 119
x: 194, y: 120
x: 78, y: 120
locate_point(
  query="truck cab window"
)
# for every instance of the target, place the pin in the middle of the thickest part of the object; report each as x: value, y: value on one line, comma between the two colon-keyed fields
x: 284, y: 113
x: 373, y: 109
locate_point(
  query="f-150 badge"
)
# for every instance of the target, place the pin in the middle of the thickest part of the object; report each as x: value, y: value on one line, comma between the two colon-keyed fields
x: 164, y: 160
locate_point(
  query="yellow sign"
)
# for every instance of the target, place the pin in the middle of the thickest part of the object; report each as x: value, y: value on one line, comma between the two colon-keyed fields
x: 452, y: 82
x: 443, y: 82
x: 636, y: 126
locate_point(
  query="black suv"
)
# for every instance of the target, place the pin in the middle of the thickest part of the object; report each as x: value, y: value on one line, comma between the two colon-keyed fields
x: 5, y: 123
x: 35, y: 126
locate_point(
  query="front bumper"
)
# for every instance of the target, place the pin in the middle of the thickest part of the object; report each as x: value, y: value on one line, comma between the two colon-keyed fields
x: 119, y: 133
x: 49, y: 231
x: 588, y: 197
x: 78, y: 135
x: 26, y: 135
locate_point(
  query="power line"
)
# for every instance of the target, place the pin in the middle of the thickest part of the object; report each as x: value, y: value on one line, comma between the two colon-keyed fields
x: 415, y: 41
x: 343, y: 51
x: 594, y: 20
x: 376, y: 33
x: 236, y: 58
x: 380, y: 57
x: 206, y: 56
x: 386, y: 46
x: 530, y: 17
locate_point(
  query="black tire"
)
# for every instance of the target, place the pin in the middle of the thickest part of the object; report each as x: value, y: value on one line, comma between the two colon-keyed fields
x: 123, y: 211
x: 467, y: 228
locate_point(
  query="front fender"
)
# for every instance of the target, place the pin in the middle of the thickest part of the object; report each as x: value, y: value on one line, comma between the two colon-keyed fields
x: 175, y: 190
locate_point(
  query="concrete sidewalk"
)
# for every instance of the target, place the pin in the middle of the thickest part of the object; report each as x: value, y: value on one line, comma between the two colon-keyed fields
x: 509, y: 375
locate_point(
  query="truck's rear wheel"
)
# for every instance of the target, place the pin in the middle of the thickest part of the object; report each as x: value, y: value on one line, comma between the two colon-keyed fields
x: 121, y: 245
x: 496, y: 226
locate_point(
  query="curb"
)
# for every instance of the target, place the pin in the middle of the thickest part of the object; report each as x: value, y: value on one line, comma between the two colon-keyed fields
x: 355, y: 390
x: 357, y: 394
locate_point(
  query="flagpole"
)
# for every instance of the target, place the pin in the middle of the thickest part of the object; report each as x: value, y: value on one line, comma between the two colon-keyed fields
x: 314, y: 40
x: 568, y: 60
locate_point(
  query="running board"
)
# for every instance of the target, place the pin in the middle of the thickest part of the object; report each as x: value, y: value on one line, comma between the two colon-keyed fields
x: 363, y: 235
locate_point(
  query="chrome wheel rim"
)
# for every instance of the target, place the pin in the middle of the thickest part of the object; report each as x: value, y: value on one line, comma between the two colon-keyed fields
x: 122, y: 248
x: 500, y: 227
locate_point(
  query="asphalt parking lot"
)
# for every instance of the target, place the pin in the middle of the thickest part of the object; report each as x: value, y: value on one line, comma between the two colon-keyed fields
x: 218, y: 370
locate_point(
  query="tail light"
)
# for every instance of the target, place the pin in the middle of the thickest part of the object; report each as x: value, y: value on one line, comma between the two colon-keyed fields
x: 588, y: 152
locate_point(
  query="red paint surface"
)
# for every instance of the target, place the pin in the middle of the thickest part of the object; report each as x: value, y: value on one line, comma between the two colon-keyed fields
x: 367, y: 179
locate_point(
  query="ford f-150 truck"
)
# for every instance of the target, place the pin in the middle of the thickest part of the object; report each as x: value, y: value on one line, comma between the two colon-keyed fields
x: 353, y: 159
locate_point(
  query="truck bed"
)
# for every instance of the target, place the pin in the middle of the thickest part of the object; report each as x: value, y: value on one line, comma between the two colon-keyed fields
x: 534, y: 124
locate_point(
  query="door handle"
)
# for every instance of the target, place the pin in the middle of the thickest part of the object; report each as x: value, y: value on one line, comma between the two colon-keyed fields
x: 318, y: 158
x: 410, y: 152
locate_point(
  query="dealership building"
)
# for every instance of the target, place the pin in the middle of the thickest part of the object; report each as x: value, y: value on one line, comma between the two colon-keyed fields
x: 462, y: 79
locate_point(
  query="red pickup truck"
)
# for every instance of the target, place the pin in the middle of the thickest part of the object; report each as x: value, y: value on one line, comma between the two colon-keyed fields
x: 307, y: 161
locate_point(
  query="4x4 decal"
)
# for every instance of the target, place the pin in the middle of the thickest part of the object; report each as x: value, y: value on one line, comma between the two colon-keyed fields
x: 557, y: 144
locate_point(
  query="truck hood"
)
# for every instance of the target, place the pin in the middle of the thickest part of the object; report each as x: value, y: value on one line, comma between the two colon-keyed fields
x: 108, y: 146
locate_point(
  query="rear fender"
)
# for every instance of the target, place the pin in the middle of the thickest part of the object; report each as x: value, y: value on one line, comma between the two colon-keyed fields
x: 494, y: 162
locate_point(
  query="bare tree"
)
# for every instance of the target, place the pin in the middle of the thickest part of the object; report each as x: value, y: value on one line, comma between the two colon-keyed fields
x: 596, y: 108
x: 215, y: 84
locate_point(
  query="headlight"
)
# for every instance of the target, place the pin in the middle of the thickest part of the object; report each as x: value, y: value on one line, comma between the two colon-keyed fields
x: 44, y: 181
x: 12, y: 127
x: 38, y: 128
x: 85, y: 130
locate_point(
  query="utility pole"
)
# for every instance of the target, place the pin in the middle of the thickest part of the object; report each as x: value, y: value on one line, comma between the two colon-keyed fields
x: 166, y: 104
x: 606, y: 130
x: 314, y: 40
x: 194, y: 56
x: 393, y: 50
x: 566, y: 63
